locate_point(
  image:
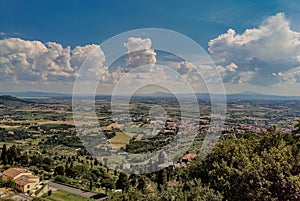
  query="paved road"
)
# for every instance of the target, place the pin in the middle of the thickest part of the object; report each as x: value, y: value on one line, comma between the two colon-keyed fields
x: 21, y: 197
x: 75, y: 191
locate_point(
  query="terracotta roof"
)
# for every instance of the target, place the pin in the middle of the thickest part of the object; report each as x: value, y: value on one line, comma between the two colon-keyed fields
x: 13, y: 172
x: 26, y: 179
x: 189, y: 156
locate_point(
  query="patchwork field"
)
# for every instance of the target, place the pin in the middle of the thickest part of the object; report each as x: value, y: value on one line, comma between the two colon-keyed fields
x: 120, y: 140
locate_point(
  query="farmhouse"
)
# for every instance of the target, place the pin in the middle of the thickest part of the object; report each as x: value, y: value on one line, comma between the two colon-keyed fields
x: 25, y: 180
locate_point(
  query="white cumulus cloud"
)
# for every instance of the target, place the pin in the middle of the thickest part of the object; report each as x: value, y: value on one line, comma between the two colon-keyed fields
x: 259, y: 53
x: 36, y: 62
x: 139, y: 53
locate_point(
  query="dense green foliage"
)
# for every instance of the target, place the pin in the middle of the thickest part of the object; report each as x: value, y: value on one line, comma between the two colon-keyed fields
x: 263, y: 167
x: 16, y: 134
x: 192, y: 190
x: 7, y: 183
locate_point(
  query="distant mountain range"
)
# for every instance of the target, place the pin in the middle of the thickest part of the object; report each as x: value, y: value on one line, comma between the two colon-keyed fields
x: 248, y: 95
x: 34, y: 94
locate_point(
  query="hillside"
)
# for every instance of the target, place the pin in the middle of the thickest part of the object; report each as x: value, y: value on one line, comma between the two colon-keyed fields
x: 8, y: 100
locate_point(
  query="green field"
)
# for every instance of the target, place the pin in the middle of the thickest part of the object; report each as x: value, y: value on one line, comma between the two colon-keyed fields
x: 64, y: 196
x: 120, y: 140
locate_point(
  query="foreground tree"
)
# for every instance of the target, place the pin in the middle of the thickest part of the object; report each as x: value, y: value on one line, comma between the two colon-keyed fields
x: 108, y: 184
x: 4, y: 155
x: 162, y: 179
x: 264, y: 168
x: 297, y: 127
x: 59, y: 170
x: 122, y: 182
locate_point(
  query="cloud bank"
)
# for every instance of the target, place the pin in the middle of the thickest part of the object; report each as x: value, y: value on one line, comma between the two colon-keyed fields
x: 38, y: 63
x: 265, y: 56
x: 33, y: 63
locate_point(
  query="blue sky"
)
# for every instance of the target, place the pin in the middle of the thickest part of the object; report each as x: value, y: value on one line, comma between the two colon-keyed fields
x: 82, y: 22
x: 79, y: 23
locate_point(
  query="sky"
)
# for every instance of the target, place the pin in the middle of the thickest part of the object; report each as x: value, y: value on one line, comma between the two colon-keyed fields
x: 255, y: 44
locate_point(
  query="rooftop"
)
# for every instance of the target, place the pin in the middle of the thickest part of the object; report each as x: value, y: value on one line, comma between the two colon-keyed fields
x: 26, y: 179
x: 13, y: 172
x: 189, y: 156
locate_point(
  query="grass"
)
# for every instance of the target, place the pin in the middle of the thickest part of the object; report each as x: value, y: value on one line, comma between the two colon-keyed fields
x: 58, y: 122
x: 120, y: 140
x: 64, y: 196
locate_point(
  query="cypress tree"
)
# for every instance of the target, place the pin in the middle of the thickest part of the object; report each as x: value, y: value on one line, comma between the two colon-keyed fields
x: 4, y: 155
